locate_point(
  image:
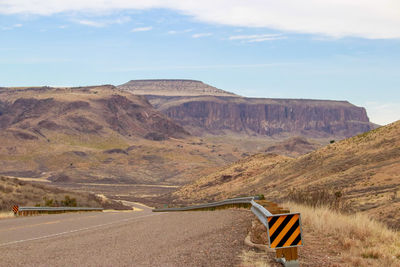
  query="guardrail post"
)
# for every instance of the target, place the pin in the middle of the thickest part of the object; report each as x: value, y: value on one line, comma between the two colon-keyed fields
x: 289, y: 254
x: 286, y: 256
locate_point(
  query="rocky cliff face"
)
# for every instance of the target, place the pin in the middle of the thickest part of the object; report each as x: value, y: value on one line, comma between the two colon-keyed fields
x: 311, y: 118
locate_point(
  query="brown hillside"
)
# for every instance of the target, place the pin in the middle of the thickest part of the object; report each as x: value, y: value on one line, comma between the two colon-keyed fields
x: 293, y: 147
x: 362, y: 170
x: 98, y: 134
x: 37, y: 112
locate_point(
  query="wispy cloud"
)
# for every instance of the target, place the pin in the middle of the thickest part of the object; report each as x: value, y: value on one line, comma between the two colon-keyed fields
x: 91, y: 23
x: 200, y: 35
x: 257, y: 37
x: 179, y: 31
x: 6, y: 28
x: 142, y: 29
x: 104, y: 22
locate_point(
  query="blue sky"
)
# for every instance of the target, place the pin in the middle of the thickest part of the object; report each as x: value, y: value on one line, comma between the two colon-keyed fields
x: 246, y: 52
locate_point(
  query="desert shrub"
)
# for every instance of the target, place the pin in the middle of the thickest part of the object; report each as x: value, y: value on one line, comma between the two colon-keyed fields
x: 316, y: 197
x: 49, y: 202
x: 6, y: 189
x: 69, y: 202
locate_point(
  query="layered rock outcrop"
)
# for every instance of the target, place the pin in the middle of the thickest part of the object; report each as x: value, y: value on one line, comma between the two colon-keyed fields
x: 253, y: 116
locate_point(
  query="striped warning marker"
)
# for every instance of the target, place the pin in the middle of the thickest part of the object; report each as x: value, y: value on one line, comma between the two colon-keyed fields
x: 284, y: 230
x: 15, y: 209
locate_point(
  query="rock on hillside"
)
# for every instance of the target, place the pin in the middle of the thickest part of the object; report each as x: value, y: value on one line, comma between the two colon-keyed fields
x: 172, y: 88
x: 363, y: 171
x: 266, y: 117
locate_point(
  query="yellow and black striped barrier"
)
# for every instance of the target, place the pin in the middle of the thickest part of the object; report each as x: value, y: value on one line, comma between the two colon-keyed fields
x: 284, y: 230
x: 15, y: 209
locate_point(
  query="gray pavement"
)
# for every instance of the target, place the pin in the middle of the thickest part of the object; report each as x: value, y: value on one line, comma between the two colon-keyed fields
x: 135, y: 238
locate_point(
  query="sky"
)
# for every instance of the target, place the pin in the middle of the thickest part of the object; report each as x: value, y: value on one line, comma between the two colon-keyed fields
x: 309, y: 49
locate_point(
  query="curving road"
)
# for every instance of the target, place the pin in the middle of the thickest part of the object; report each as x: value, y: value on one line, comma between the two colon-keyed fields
x: 134, y: 238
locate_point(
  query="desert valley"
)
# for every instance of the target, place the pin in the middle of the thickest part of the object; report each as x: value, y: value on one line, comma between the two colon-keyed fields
x: 182, y: 142
x: 200, y: 133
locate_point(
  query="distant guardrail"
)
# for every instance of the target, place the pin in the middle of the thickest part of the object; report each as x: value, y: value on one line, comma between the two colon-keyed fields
x: 233, y: 201
x: 26, y: 211
x: 283, y: 230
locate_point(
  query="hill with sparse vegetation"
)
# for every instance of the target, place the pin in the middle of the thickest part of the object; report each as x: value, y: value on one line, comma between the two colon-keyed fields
x: 357, y: 174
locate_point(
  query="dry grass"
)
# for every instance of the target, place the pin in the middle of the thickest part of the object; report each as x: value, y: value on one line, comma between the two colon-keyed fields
x: 359, y: 240
x: 253, y: 259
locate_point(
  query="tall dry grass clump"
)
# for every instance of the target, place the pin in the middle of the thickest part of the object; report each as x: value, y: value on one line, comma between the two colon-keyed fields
x: 360, y: 240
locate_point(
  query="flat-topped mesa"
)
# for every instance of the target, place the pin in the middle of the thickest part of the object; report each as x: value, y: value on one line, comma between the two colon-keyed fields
x: 202, y: 109
x: 172, y: 87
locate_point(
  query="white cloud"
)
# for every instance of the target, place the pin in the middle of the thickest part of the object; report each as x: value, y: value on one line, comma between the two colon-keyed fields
x: 103, y: 23
x: 200, y: 35
x: 179, y: 31
x: 6, y: 28
x: 91, y: 23
x: 257, y: 37
x: 362, y: 18
x: 142, y: 29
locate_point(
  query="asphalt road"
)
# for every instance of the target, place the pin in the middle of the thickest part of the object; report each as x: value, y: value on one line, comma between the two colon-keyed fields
x: 135, y: 238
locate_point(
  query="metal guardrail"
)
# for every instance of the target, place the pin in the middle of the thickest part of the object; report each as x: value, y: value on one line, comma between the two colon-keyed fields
x: 35, y: 210
x: 266, y: 218
x: 258, y: 210
x: 240, y: 200
x: 261, y: 212
x: 58, y: 209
